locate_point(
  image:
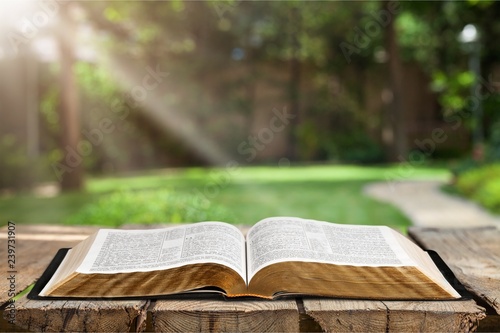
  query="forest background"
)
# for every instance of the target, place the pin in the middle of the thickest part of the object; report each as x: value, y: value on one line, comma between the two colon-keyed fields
x: 179, y: 98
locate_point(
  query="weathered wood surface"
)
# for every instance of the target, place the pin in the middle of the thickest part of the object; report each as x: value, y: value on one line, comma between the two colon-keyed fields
x: 473, y: 254
x: 347, y: 315
x: 394, y: 316
x: 79, y: 316
x: 308, y: 314
x: 225, y: 316
x: 250, y: 315
x: 439, y: 316
x: 35, y: 247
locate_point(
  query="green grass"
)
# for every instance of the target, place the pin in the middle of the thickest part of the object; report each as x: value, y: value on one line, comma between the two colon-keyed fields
x: 324, y: 192
x: 149, y: 207
x: 31, y: 209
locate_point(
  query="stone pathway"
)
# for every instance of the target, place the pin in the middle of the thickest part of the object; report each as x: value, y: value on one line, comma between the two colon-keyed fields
x: 427, y: 206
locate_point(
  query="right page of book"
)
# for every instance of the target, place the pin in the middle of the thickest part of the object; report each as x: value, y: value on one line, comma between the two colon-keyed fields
x: 281, y: 239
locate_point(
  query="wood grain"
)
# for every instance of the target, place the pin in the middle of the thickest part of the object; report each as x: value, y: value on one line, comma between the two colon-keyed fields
x: 35, y: 247
x: 225, y: 316
x: 473, y: 254
x: 433, y: 316
x: 394, y: 316
x: 347, y: 315
x: 78, y: 316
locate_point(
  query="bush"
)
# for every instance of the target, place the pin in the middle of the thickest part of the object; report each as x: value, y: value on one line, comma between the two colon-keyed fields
x: 469, y: 182
x: 489, y: 195
x: 14, y: 165
x: 464, y: 166
x: 493, y: 147
x: 482, y: 185
x: 146, y: 207
x: 353, y: 147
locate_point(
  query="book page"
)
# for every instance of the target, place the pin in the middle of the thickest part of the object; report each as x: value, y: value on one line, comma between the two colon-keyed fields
x: 281, y: 239
x: 123, y: 251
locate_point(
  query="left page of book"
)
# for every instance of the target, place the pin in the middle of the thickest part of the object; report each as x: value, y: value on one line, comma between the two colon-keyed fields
x: 123, y: 251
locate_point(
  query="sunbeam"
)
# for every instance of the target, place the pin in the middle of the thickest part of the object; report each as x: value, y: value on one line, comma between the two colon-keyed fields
x: 146, y: 87
x: 134, y: 79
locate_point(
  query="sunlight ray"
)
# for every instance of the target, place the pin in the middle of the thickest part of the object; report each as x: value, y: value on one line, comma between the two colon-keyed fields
x: 176, y: 123
x: 130, y: 76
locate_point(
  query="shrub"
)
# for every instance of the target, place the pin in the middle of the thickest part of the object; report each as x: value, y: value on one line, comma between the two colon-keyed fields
x: 464, y: 166
x: 493, y: 147
x: 150, y: 206
x: 482, y: 185
x: 469, y: 182
x: 14, y: 165
x: 353, y: 147
x: 489, y: 195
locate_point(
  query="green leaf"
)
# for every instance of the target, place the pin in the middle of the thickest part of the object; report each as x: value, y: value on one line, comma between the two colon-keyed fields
x: 112, y: 14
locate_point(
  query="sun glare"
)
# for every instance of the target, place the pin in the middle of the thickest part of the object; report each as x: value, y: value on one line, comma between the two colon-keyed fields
x: 28, y: 15
x: 14, y: 14
x: 9, y: 8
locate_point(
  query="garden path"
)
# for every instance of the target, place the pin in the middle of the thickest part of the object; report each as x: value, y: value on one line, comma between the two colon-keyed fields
x: 427, y: 206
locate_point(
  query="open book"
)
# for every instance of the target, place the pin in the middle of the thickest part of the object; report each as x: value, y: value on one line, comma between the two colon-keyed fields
x: 280, y: 256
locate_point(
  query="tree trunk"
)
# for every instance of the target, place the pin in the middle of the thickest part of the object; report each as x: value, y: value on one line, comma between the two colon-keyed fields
x: 72, y: 174
x: 399, y: 145
x: 294, y: 87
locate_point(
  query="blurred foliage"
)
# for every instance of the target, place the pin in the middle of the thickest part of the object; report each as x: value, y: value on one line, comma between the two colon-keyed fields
x: 101, y: 99
x: 17, y: 169
x: 464, y: 165
x: 238, y: 34
x: 488, y: 154
x: 488, y: 195
x: 221, y: 54
x: 481, y: 185
x: 493, y: 147
x: 469, y: 182
x: 355, y: 146
x: 417, y: 40
x: 242, y: 35
x: 14, y: 164
x: 454, y: 90
x: 429, y: 35
x: 216, y: 38
x: 149, y: 206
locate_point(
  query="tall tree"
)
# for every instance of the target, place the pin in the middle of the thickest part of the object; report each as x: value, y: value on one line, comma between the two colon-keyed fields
x: 71, y: 170
x: 396, y: 112
x: 294, y: 81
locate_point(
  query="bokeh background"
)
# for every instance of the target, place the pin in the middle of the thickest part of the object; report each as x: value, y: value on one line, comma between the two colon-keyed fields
x: 116, y: 112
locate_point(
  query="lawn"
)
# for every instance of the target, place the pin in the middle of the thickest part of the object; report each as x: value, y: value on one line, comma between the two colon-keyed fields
x: 247, y: 194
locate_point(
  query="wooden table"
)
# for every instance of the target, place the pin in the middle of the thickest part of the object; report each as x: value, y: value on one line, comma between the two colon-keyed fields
x: 473, y: 255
